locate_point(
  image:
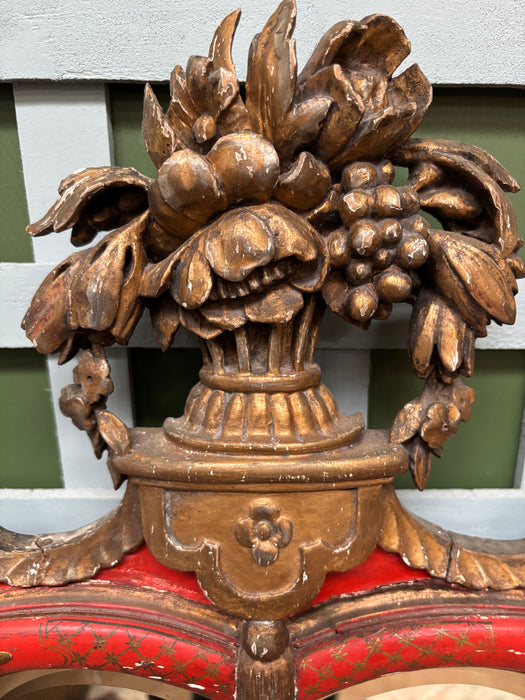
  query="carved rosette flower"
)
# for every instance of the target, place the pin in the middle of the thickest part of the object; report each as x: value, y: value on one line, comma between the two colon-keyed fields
x: 265, y: 531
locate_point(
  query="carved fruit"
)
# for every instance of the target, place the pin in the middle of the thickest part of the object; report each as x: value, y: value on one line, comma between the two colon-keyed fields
x: 246, y: 166
x: 186, y: 193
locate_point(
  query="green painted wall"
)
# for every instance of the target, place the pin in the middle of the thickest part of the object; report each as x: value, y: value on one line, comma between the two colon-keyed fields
x: 15, y: 244
x: 28, y: 449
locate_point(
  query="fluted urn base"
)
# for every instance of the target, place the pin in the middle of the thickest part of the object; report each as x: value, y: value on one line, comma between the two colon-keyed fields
x: 270, y: 413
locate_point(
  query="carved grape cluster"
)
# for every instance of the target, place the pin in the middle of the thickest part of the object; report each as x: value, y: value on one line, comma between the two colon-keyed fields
x: 382, y: 242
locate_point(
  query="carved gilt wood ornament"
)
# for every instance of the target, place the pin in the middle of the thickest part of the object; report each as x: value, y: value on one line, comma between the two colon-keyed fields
x: 272, y: 201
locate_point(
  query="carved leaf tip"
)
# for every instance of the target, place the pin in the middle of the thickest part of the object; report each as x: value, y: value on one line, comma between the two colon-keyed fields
x: 159, y: 138
x: 272, y: 72
x: 221, y: 44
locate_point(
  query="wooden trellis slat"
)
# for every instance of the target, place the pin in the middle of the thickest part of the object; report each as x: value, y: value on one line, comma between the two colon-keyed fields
x: 456, y: 43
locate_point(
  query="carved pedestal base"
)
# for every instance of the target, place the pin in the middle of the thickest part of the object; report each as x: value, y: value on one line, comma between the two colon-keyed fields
x: 261, y: 534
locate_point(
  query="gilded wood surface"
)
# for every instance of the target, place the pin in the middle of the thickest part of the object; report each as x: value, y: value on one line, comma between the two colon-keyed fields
x: 273, y: 200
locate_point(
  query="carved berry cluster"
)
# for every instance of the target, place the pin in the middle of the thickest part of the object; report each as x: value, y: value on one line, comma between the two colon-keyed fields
x: 382, y: 242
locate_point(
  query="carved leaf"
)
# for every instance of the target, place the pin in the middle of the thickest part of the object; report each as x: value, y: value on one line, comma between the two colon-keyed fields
x: 92, y: 198
x: 46, y: 322
x: 474, y: 169
x: 417, y: 149
x: 198, y: 69
x: 421, y: 462
x: 165, y: 319
x: 230, y: 109
x: 159, y: 138
x: 60, y: 558
x: 182, y: 113
x: 469, y: 561
x: 105, y: 291
x: 470, y: 268
x: 272, y: 73
x: 114, y: 432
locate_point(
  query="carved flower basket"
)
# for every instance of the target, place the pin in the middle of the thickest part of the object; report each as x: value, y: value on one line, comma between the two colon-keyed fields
x: 270, y: 203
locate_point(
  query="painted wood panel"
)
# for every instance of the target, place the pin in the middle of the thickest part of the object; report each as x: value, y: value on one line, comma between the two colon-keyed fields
x: 454, y: 42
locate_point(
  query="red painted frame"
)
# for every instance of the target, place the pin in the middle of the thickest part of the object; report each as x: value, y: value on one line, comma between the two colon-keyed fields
x: 144, y: 619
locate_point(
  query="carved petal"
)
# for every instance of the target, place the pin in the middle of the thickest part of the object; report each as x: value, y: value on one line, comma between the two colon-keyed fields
x: 227, y: 314
x: 305, y: 184
x: 327, y: 49
x: 302, y: 125
x: 157, y: 277
x: 285, y: 530
x: 279, y: 305
x: 248, y: 244
x: 345, y: 112
x: 75, y: 405
x: 377, y: 41
x: 165, y: 319
x: 244, y: 532
x: 409, y: 96
x: 293, y: 236
x: 196, y: 323
x: 192, y: 281
x: 407, y: 422
x: 92, y: 373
